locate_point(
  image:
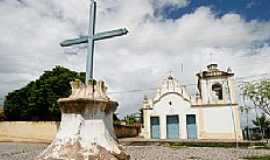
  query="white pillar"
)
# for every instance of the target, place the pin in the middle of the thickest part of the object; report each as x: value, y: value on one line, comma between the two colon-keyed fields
x: 146, y: 124
x: 163, y: 125
x: 183, y: 133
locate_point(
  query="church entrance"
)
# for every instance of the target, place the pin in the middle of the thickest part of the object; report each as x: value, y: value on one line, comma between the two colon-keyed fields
x: 172, y: 127
x: 155, y: 128
x: 191, y: 126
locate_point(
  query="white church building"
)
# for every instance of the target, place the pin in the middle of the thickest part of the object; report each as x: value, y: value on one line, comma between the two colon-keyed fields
x: 212, y: 114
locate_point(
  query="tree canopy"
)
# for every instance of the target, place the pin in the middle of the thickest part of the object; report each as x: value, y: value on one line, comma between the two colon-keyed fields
x: 132, y: 118
x: 38, y: 99
x: 259, y: 94
x: 261, y: 121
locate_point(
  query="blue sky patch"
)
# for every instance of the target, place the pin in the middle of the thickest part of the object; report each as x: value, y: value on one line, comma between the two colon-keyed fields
x: 248, y: 9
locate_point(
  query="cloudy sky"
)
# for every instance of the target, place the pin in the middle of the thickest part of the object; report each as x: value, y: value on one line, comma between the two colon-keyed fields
x: 164, y: 35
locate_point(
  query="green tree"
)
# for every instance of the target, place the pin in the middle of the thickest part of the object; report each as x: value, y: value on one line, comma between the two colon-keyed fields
x: 38, y: 99
x: 262, y: 122
x: 259, y: 94
x: 132, y: 119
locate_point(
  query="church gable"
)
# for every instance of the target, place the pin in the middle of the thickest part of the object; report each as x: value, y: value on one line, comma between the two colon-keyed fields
x: 170, y: 96
x: 171, y: 102
x: 171, y: 86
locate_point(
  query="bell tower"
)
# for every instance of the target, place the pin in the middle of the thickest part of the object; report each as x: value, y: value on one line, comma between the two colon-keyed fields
x: 216, y: 86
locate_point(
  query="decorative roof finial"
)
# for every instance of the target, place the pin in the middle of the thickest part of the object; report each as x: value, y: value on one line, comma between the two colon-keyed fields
x: 170, y: 76
x: 229, y: 70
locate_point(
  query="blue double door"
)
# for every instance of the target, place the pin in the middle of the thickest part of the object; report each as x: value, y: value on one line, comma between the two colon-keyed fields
x: 173, y: 127
x: 191, y: 126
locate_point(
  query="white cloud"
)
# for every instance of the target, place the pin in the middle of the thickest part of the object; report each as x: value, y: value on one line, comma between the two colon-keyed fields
x: 31, y: 31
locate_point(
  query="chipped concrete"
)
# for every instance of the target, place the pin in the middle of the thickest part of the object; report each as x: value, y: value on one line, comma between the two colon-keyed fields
x: 86, y: 129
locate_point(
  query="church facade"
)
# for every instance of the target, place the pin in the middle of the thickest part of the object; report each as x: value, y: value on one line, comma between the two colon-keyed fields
x: 212, y: 114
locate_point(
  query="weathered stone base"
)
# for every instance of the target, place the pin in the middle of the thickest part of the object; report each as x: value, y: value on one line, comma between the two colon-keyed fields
x: 74, y: 151
x: 86, y: 130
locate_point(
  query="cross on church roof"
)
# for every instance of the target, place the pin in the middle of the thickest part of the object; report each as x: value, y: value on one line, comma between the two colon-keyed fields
x: 170, y: 76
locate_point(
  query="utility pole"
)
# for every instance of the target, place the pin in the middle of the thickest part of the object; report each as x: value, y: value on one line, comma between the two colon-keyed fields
x: 230, y: 103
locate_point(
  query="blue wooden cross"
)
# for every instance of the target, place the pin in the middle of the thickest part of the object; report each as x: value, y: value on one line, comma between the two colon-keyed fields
x: 91, y: 38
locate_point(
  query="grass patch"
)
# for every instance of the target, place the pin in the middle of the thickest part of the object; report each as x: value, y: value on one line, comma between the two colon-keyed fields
x: 201, y: 144
x: 214, y: 144
x: 258, y: 158
x: 195, y: 158
x: 177, y: 147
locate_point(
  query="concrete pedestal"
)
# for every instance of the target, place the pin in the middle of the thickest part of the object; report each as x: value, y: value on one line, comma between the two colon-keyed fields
x: 86, y: 130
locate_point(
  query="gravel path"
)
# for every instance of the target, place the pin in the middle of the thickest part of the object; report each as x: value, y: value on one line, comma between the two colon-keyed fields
x: 198, y: 153
x: 20, y: 151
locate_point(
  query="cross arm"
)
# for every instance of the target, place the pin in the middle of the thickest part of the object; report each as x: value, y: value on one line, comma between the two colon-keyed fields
x: 110, y: 34
x: 71, y: 42
x: 97, y: 37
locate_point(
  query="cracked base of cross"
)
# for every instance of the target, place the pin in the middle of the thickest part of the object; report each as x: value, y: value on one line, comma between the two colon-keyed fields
x: 86, y: 129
